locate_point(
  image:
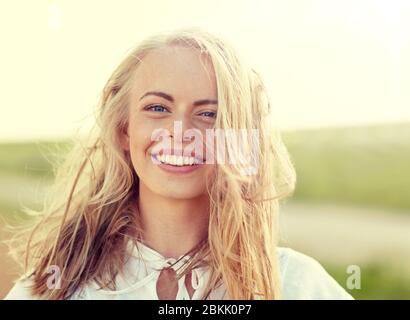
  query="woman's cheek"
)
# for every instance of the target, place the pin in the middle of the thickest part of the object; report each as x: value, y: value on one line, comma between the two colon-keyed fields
x: 140, y: 132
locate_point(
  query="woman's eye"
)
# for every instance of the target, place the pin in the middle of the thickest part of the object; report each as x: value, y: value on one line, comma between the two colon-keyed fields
x: 156, y: 108
x: 209, y: 114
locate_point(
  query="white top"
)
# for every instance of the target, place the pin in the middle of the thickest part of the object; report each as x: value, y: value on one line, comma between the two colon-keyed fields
x: 302, y: 277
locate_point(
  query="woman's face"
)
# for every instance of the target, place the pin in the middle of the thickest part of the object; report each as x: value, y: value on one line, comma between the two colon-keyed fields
x: 173, y: 87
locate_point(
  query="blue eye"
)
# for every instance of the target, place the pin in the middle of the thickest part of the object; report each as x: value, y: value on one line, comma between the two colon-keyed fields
x: 156, y: 108
x: 209, y: 114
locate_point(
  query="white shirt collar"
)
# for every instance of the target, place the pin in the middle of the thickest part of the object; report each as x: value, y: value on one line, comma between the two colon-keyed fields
x: 144, y: 267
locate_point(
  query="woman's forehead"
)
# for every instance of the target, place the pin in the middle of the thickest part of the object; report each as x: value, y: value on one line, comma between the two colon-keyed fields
x: 176, y: 68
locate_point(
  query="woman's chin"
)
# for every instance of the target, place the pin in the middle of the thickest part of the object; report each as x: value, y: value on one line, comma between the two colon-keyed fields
x: 183, y: 196
x: 182, y: 193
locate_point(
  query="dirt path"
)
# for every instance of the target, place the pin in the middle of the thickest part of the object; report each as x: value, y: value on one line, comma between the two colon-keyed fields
x: 16, y: 190
x: 348, y: 235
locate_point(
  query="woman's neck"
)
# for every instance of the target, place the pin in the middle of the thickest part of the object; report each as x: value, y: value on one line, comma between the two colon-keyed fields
x: 172, y: 227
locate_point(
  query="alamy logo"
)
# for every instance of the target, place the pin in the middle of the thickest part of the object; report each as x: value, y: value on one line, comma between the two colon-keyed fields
x: 240, y: 147
x: 54, y: 280
x: 353, y: 281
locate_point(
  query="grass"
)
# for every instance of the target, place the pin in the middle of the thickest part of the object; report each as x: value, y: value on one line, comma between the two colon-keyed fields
x: 363, y: 166
x: 377, y: 282
x: 30, y: 159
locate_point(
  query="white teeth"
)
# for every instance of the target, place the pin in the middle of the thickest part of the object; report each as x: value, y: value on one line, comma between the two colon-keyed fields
x: 177, y: 160
x: 180, y: 161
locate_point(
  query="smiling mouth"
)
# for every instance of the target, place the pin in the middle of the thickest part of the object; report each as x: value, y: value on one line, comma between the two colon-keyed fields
x: 177, y: 161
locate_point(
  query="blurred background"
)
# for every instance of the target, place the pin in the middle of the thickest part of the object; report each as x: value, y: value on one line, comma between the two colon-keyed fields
x: 338, y: 73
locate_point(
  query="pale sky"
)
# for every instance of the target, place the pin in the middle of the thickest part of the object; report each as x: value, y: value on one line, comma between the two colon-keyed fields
x: 326, y: 63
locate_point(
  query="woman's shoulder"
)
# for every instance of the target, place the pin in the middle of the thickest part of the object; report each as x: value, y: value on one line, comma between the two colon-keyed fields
x: 303, y: 277
x: 21, y: 290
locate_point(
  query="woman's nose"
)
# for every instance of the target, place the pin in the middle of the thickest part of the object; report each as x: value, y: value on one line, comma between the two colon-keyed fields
x: 180, y: 127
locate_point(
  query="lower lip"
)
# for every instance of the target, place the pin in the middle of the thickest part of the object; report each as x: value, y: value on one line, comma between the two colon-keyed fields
x: 178, y: 169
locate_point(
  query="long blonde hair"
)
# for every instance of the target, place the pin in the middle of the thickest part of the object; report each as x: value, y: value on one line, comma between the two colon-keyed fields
x: 89, y: 218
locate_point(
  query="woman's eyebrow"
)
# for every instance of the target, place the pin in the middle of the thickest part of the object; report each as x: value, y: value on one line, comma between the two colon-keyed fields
x: 168, y: 97
x: 158, y: 94
x: 205, y: 101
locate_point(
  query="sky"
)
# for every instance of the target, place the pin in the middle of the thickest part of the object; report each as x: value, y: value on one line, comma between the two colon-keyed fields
x: 325, y: 62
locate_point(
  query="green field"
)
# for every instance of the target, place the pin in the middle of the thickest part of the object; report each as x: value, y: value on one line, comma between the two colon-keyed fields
x: 368, y: 166
x: 377, y: 282
x: 29, y: 159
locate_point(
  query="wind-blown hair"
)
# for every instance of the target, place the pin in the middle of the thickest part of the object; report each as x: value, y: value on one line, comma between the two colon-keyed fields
x: 89, y: 217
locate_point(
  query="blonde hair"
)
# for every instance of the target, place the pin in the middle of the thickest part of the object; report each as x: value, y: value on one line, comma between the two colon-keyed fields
x: 88, y: 218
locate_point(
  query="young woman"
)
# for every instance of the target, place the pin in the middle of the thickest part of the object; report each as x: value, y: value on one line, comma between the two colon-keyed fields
x: 156, y: 205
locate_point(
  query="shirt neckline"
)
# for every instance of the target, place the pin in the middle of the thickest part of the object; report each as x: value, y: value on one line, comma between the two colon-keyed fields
x: 150, y: 254
x: 157, y: 262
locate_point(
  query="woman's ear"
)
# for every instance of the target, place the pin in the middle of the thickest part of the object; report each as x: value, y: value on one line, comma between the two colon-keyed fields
x: 124, y: 137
